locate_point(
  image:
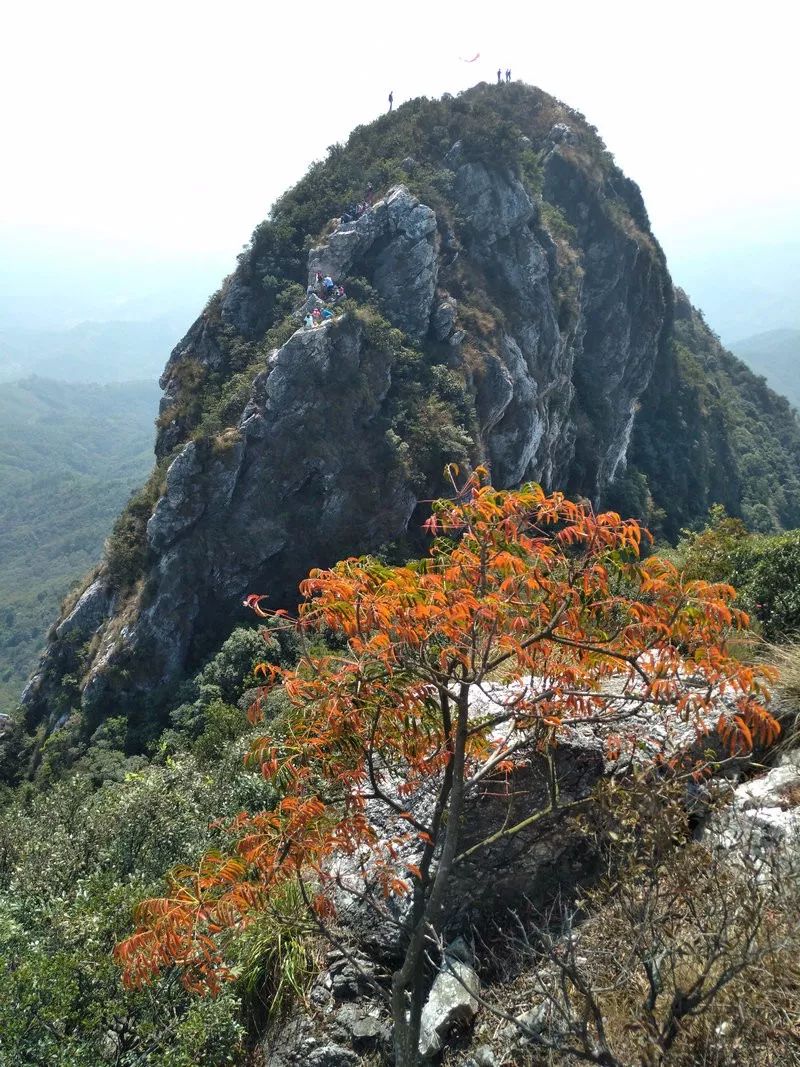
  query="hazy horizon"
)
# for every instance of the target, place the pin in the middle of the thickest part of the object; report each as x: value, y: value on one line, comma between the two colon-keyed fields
x: 145, y: 143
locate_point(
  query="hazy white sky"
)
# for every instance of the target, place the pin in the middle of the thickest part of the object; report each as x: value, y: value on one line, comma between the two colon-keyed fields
x: 165, y: 129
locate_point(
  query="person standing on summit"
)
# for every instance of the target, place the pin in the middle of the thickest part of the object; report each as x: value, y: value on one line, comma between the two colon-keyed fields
x: 499, y: 76
x: 391, y: 100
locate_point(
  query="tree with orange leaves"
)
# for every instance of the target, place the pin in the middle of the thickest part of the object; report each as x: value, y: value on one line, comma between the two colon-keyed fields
x: 529, y: 588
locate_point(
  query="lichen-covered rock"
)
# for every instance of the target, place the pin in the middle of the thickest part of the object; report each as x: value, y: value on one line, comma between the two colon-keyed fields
x: 626, y: 307
x: 182, y: 504
x: 496, y: 203
x: 482, y: 1056
x: 341, y: 1019
x: 561, y: 133
x: 443, y: 319
x: 530, y: 436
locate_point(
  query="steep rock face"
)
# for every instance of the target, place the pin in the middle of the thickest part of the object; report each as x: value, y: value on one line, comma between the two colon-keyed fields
x: 627, y: 308
x: 250, y: 510
x: 398, y: 236
x: 527, y: 425
x: 533, y: 307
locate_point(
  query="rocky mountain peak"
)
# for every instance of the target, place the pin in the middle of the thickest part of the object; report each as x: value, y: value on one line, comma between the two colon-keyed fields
x: 504, y: 303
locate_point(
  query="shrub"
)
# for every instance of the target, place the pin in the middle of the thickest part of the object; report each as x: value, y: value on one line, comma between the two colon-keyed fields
x: 767, y: 569
x: 514, y: 581
x: 126, y: 552
x: 275, y: 959
x: 683, y: 955
x: 223, y: 724
x: 714, y: 553
x: 764, y: 569
x: 73, y: 861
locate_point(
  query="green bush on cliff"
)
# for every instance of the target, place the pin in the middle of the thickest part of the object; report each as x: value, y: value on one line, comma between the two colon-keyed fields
x: 767, y: 569
x: 430, y: 416
x: 73, y: 861
x: 710, y: 431
x: 714, y: 553
x: 764, y: 569
x: 87, y: 842
x: 126, y: 552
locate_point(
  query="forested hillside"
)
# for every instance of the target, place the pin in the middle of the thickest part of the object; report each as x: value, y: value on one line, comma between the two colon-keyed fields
x: 90, y: 351
x: 776, y: 355
x: 69, y: 457
x: 710, y: 431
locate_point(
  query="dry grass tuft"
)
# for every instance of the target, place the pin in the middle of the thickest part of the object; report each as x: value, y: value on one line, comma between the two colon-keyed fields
x: 786, y: 702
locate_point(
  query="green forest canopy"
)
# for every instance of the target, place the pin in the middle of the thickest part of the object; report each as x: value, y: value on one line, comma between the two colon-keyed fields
x: 69, y: 457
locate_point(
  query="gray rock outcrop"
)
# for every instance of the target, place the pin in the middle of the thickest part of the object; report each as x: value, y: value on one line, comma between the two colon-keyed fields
x: 452, y: 1001
x: 88, y: 614
x: 398, y: 235
x: 762, y: 820
x: 553, y: 358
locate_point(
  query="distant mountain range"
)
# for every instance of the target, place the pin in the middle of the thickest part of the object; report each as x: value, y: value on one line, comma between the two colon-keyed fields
x: 776, y: 355
x: 742, y: 287
x: 69, y: 457
x: 91, y: 351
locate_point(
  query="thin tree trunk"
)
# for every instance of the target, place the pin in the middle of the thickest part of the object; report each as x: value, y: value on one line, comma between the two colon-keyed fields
x: 427, y: 912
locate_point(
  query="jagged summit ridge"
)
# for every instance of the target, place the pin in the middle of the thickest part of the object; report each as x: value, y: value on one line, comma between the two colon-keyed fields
x: 400, y: 235
x: 507, y: 305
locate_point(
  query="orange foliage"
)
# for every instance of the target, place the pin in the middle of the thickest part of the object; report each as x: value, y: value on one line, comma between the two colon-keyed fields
x: 540, y: 591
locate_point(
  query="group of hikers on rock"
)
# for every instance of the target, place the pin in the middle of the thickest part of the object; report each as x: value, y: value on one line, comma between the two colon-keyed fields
x: 326, y: 288
x: 324, y: 293
x: 500, y: 75
x: 356, y: 210
x: 323, y: 289
x: 317, y: 317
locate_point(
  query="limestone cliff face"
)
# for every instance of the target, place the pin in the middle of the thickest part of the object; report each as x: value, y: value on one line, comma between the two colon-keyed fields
x: 526, y: 304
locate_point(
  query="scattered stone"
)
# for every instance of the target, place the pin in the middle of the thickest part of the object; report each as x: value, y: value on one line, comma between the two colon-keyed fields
x: 364, y: 1024
x: 443, y: 319
x: 333, y: 1056
x: 763, y: 819
x: 462, y: 950
x: 350, y: 975
x: 110, y: 1046
x: 451, y: 1002
x: 561, y: 133
x: 534, y: 1020
x: 482, y: 1056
